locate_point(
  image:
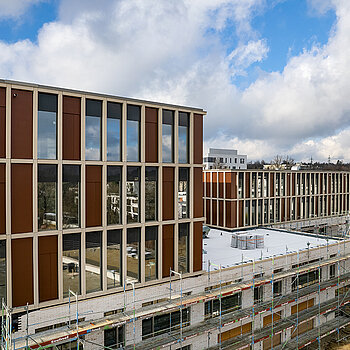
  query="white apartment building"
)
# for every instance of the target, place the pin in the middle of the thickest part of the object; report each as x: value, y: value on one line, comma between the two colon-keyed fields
x: 221, y: 158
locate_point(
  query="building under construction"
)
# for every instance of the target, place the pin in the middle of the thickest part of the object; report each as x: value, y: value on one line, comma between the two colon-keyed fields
x: 280, y: 289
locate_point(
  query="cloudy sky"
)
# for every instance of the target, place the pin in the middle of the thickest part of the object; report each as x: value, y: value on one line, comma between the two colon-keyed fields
x: 273, y: 75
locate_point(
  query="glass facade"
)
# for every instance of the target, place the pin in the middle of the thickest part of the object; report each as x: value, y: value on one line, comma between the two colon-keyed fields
x: 114, y: 176
x: 183, y: 137
x: 47, y: 126
x: 114, y: 117
x: 93, y: 130
x: 133, y: 254
x: 47, y: 197
x: 93, y: 259
x: 114, y: 258
x: 133, y: 194
x: 168, y: 136
x: 183, y: 193
x: 151, y: 253
x: 71, y: 196
x: 133, y: 133
x: 3, y: 270
x: 151, y: 193
x: 183, y: 249
x: 71, y: 256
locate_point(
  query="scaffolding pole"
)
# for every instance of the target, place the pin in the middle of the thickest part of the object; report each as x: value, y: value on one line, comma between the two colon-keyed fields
x: 77, y: 314
x: 181, y: 305
x: 6, y: 326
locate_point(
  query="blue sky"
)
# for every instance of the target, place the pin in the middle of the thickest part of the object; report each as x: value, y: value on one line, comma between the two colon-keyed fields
x: 254, y: 65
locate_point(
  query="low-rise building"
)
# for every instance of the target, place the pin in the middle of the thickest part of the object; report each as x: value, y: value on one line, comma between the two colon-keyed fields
x: 220, y: 158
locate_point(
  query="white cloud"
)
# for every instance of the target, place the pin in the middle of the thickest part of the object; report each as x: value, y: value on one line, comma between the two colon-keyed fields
x: 15, y: 8
x: 172, y: 51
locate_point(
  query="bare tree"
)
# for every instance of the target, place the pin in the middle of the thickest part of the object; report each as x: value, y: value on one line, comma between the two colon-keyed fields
x: 277, y: 161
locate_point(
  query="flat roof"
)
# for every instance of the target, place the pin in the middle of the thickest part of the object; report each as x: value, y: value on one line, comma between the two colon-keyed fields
x: 217, y: 247
x: 46, y: 87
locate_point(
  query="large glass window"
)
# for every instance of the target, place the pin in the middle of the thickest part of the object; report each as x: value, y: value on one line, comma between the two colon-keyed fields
x: 183, y: 193
x: 151, y: 193
x: 183, y: 137
x: 71, y: 263
x: 114, y: 117
x: 151, y: 253
x: 133, y: 254
x: 93, y: 130
x: 114, y: 187
x: 93, y: 258
x: 2, y: 269
x: 47, y: 197
x: 133, y: 194
x: 71, y: 196
x: 133, y: 133
x: 47, y: 126
x: 114, y: 258
x: 168, y: 136
x: 183, y: 251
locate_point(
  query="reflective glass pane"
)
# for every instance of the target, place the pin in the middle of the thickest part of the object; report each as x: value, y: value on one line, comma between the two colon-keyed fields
x: 71, y: 196
x: 183, y: 144
x: 167, y: 143
x: 183, y: 248
x: 92, y: 138
x: 93, y: 259
x: 132, y: 194
x: 47, y: 197
x: 114, y: 246
x: 151, y: 193
x: 151, y: 256
x: 71, y: 263
x: 113, y: 195
x: 46, y: 135
x: 113, y: 139
x: 132, y: 254
x: 183, y: 193
x: 2, y: 270
x: 47, y: 129
x: 132, y: 147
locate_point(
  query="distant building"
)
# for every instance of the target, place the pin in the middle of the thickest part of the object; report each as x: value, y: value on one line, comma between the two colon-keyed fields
x: 220, y: 158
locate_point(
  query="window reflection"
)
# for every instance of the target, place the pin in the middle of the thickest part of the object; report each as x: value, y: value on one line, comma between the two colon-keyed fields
x: 183, y: 193
x: 151, y: 253
x: 167, y: 136
x: 183, y: 137
x: 113, y: 194
x: 133, y: 133
x: 93, y: 130
x: 151, y: 193
x: 132, y: 254
x: 47, y: 131
x: 114, y: 255
x: 93, y: 268
x: 183, y: 266
x: 114, y: 116
x: 47, y: 196
x: 133, y: 194
x: 71, y: 196
x: 71, y: 263
x: 3, y: 270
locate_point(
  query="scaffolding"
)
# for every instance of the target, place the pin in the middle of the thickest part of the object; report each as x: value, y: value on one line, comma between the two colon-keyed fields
x: 217, y: 286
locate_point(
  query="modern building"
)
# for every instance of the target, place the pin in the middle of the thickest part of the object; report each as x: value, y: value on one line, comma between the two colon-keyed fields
x: 289, y: 293
x: 235, y: 199
x: 97, y: 192
x: 220, y: 158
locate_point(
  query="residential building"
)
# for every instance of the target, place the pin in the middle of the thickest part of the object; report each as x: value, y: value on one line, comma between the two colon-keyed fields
x: 220, y: 158
x: 236, y: 199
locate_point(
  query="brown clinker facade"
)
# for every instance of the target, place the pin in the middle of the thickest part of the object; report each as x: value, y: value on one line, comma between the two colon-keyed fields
x: 89, y: 198
x: 236, y: 199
